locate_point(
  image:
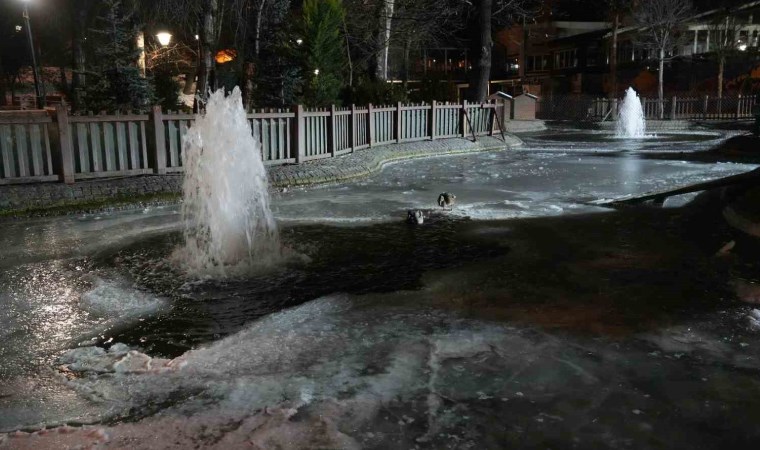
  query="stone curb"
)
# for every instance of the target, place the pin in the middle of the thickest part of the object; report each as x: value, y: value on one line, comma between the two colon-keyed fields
x: 367, y: 161
x: 119, y: 193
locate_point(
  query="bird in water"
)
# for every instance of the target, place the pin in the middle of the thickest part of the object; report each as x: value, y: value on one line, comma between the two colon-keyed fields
x: 414, y: 217
x: 446, y: 199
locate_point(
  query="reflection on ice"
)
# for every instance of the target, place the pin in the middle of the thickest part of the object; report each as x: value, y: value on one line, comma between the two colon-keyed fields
x: 356, y: 374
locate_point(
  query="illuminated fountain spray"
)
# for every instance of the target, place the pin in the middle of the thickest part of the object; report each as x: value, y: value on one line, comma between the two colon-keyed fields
x: 228, y: 224
x: 630, y: 121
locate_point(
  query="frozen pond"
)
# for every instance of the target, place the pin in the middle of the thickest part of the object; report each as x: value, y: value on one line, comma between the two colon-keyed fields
x: 534, y: 325
x: 553, y: 175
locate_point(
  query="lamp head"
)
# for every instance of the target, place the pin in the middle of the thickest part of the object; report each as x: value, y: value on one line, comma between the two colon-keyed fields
x: 164, y: 38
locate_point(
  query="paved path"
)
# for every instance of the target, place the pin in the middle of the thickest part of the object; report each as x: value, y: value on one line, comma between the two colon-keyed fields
x: 127, y: 192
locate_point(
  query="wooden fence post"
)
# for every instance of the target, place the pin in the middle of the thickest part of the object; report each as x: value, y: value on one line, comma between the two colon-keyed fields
x: 673, y: 108
x: 463, y: 119
x: 738, y: 105
x: 299, y: 134
x: 158, y: 154
x: 331, y: 132
x: 492, y: 118
x: 66, y: 168
x: 398, y: 122
x: 644, y: 103
x: 352, y: 131
x: 432, y: 121
x: 370, y: 125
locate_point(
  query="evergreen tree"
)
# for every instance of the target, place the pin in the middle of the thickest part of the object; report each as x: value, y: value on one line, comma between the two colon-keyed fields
x: 114, y: 81
x: 324, y: 54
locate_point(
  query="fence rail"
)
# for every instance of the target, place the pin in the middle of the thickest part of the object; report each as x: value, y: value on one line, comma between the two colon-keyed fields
x: 670, y: 108
x: 39, y: 147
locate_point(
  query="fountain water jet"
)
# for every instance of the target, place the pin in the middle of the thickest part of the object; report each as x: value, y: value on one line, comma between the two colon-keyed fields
x: 630, y: 121
x: 228, y: 223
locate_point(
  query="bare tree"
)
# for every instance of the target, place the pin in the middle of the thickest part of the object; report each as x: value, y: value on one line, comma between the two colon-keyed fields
x: 616, y: 10
x: 420, y: 23
x: 385, y: 18
x: 378, y: 25
x: 725, y: 30
x: 662, y: 25
x: 484, y: 13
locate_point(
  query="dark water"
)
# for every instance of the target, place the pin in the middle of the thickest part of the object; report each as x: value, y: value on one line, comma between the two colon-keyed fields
x: 354, y: 260
x: 617, y: 271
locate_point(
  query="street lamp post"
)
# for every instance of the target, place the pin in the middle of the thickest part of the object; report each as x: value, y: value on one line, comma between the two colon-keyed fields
x: 37, y: 87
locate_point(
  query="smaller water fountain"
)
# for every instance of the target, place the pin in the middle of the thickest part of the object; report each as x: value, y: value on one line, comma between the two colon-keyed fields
x: 228, y: 223
x: 630, y: 120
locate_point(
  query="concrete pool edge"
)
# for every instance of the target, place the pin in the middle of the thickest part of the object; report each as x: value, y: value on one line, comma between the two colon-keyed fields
x: 124, y: 193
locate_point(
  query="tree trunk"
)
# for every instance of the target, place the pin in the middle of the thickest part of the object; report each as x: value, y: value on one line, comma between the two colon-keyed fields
x: 721, y: 67
x: 140, y: 44
x: 187, y: 89
x: 249, y: 71
x: 257, y: 31
x: 64, y: 82
x: 348, y: 54
x: 407, y: 51
x: 659, y: 84
x: 613, y: 56
x: 385, y: 17
x: 208, y: 43
x: 480, y: 30
x: 3, y: 88
x: 78, y: 78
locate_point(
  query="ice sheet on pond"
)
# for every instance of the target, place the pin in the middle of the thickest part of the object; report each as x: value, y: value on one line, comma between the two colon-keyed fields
x: 47, y: 308
x: 356, y: 372
x: 39, y: 239
x: 394, y: 376
x: 497, y: 185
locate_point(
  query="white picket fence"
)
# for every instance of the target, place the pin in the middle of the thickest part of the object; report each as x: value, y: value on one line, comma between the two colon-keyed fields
x: 579, y: 107
x: 37, y: 147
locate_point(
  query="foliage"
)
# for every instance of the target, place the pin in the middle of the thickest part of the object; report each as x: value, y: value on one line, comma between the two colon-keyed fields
x: 377, y: 92
x: 278, y: 71
x: 322, y: 52
x: 645, y: 83
x: 167, y: 91
x: 11, y: 41
x: 113, y: 80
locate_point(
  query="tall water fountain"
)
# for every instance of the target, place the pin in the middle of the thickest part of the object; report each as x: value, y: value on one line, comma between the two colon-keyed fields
x: 228, y: 223
x: 630, y: 120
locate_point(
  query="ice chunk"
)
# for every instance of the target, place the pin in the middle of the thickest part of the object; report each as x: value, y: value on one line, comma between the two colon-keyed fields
x: 754, y: 319
x: 117, y: 299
